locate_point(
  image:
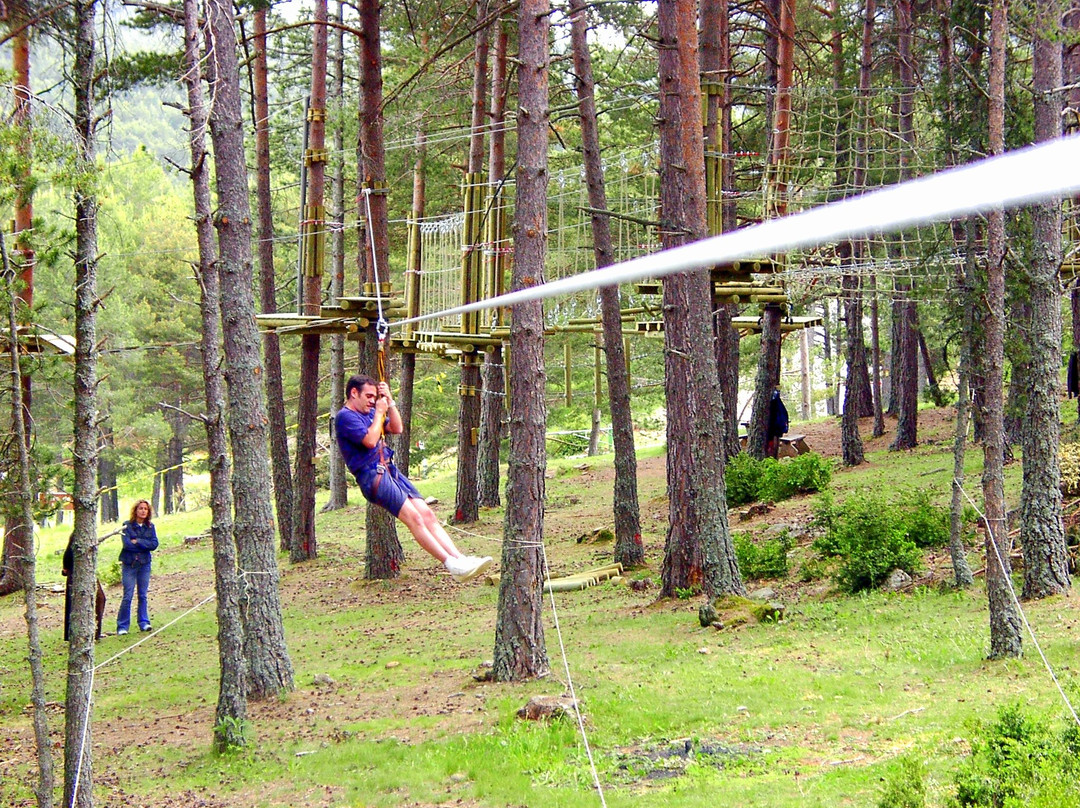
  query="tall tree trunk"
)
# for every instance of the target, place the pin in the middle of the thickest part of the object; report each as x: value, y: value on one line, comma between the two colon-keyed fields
x: 43, y: 743
x: 906, y: 375
x: 875, y: 358
x: 852, y: 444
x: 768, y: 380
x: 231, y: 714
x: 1071, y: 71
x: 17, y: 539
x: 384, y: 553
x: 1042, y: 534
x: 304, y: 545
x: 520, y: 650
x: 629, y: 549
x: 405, y: 396
x: 961, y: 569
x: 269, y: 668
x: 698, y: 551
x: 339, y: 482
x: 827, y: 355
x: 466, y: 505
x: 493, y: 403
x: 174, y: 469
x: 106, y: 474
x: 715, y: 55
x: 1005, y: 628
x: 905, y: 370
x: 78, y: 735
x: 275, y: 392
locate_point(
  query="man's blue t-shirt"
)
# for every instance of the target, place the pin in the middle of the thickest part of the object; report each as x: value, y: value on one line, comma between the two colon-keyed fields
x: 351, y: 427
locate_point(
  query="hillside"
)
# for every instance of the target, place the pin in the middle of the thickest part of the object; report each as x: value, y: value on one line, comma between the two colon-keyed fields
x: 815, y: 710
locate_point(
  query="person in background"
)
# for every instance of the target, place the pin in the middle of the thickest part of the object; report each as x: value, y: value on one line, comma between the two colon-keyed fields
x: 359, y: 426
x: 777, y: 426
x: 140, y: 540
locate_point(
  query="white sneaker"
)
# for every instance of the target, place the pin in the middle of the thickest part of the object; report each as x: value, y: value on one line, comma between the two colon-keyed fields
x: 467, y: 567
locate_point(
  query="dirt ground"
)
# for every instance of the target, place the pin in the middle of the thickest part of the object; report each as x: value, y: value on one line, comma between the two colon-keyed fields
x: 313, y: 707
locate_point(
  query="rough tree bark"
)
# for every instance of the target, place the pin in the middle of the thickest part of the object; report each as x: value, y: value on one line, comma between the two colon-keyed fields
x: 17, y: 539
x: 767, y: 380
x: 466, y: 501
x: 961, y: 569
x: 629, y: 549
x: 275, y: 392
x: 905, y: 369
x: 715, y: 42
x: 698, y: 551
x: 1005, y: 628
x: 231, y: 714
x: 1042, y: 534
x: 339, y: 480
x: 78, y: 734
x: 856, y: 355
x: 269, y: 668
x: 46, y: 777
x: 304, y: 544
x: 384, y: 555
x: 520, y: 650
x: 106, y: 472
x: 403, y: 457
x: 493, y: 403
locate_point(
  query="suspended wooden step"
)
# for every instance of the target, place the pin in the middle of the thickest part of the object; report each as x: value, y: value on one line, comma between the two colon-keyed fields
x: 752, y: 325
x: 288, y: 323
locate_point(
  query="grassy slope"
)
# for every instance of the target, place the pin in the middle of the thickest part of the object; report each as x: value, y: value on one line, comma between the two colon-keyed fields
x: 809, y: 712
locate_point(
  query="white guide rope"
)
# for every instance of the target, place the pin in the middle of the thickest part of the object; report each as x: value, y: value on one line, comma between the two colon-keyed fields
x: 1037, y: 173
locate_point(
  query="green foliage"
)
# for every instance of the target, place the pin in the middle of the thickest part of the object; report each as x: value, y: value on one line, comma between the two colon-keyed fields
x: 868, y: 537
x: 1019, y: 761
x: 925, y: 523
x: 805, y: 474
x: 749, y: 480
x: 765, y: 559
x: 904, y: 785
x: 1069, y: 457
x: 742, y: 478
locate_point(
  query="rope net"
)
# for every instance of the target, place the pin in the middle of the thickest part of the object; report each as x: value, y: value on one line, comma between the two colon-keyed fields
x: 842, y: 144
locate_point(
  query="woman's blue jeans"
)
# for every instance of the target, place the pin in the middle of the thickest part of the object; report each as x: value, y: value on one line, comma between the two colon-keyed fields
x: 134, y: 578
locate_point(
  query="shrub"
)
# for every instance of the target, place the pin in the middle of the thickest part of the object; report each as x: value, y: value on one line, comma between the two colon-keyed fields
x: 1019, y: 761
x: 742, y: 478
x: 749, y: 480
x: 926, y: 524
x: 1069, y: 456
x: 869, y: 538
x: 767, y: 559
x: 806, y: 474
x: 904, y: 785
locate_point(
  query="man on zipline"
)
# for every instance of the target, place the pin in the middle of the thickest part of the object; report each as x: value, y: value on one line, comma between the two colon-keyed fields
x: 370, y: 411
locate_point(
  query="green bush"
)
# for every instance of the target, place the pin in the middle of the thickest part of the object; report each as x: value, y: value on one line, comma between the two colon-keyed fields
x: 750, y: 480
x: 868, y: 537
x: 905, y: 785
x: 806, y: 474
x: 766, y: 559
x: 1019, y: 761
x: 742, y: 478
x: 926, y: 524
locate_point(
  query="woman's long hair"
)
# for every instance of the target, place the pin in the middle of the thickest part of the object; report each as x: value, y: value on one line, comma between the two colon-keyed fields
x: 149, y: 510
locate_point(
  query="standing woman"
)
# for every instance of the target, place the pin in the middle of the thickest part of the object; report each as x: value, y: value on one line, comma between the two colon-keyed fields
x: 140, y: 539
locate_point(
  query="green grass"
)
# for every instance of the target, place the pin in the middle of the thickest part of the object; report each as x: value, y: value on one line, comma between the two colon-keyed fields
x: 813, y: 711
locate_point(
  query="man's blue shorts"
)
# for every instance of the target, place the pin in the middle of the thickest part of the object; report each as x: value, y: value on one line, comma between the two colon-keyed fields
x: 386, y: 487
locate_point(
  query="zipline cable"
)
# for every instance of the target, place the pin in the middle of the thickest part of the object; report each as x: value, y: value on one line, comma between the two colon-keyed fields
x: 1016, y: 601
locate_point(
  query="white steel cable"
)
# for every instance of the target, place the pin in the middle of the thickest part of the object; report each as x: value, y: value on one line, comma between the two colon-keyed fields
x: 1016, y: 602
